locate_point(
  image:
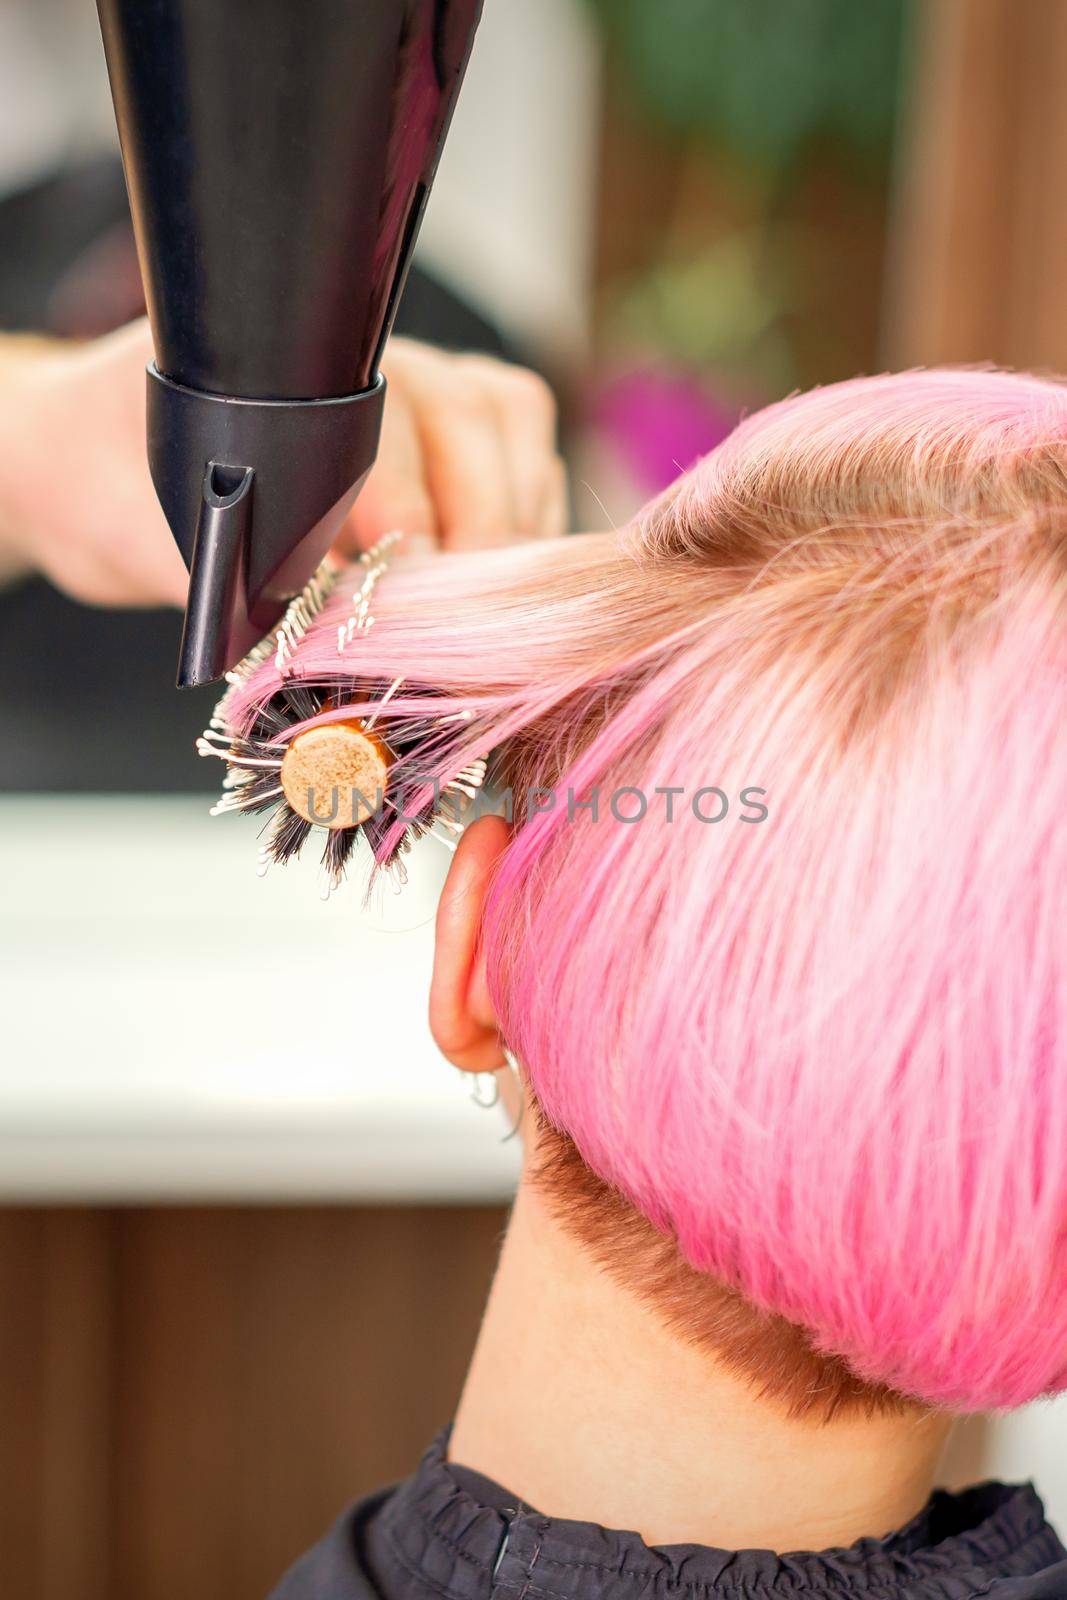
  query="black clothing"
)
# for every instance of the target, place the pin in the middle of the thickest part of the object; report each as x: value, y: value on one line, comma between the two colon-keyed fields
x: 449, y: 1534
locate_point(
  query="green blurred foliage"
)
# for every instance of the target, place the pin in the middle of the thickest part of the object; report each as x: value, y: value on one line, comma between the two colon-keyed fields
x: 766, y: 78
x: 721, y: 309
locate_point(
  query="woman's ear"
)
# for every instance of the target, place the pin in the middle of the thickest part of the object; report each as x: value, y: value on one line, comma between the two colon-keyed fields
x: 462, y: 1018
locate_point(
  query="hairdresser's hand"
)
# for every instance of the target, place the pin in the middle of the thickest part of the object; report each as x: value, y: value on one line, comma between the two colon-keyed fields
x: 468, y: 454
x: 467, y: 458
x: 76, y: 498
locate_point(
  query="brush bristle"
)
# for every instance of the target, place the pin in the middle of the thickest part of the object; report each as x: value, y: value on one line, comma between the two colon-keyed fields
x: 423, y: 785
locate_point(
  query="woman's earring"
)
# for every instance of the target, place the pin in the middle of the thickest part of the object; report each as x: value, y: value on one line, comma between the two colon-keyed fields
x: 487, y: 1100
x: 511, y: 1061
x: 513, y: 1064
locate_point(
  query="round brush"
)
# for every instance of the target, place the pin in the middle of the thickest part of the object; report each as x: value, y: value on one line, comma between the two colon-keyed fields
x: 306, y: 757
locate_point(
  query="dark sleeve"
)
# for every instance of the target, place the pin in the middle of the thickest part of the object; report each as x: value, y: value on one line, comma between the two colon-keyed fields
x: 334, y: 1568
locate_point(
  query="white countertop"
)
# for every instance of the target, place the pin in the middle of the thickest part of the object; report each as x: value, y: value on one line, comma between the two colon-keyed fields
x: 176, y: 1028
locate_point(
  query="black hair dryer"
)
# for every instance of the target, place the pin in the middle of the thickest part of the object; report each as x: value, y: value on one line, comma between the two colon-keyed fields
x: 278, y: 157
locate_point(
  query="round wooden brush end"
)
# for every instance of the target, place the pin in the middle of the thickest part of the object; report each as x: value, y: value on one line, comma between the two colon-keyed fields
x: 335, y: 774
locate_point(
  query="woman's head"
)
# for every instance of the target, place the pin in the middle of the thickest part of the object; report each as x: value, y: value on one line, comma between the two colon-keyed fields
x: 777, y: 934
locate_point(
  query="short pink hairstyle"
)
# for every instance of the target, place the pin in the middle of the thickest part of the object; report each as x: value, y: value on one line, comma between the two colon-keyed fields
x: 825, y: 1055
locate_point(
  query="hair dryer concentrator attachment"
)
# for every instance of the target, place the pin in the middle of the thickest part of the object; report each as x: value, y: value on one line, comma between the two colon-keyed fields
x: 235, y: 478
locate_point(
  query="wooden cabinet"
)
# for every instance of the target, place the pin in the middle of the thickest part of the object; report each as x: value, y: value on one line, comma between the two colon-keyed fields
x: 979, y: 246
x: 188, y: 1397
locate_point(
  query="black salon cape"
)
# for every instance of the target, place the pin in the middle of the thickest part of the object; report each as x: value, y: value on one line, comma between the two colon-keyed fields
x: 450, y: 1534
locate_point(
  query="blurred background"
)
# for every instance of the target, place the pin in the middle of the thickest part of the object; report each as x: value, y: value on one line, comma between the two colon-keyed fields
x: 247, y: 1220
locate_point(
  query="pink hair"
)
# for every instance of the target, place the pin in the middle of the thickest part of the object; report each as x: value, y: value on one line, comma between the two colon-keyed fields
x: 827, y: 1053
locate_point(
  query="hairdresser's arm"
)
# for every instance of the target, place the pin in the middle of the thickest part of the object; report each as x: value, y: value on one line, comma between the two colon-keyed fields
x: 467, y: 458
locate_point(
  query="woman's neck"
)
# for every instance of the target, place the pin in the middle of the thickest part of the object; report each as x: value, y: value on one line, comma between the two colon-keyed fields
x: 580, y: 1402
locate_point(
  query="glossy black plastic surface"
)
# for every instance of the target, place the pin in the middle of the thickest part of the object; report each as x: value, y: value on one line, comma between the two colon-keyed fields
x: 278, y: 156
x: 259, y: 490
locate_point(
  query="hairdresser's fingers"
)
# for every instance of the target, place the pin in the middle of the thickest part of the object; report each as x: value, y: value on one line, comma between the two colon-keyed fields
x: 467, y: 466
x: 465, y: 458
x: 526, y: 415
x: 467, y: 455
x: 553, y: 516
x: 396, y: 494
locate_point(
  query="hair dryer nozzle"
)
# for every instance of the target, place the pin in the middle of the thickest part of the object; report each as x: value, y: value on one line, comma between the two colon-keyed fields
x: 255, y: 492
x: 278, y: 157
